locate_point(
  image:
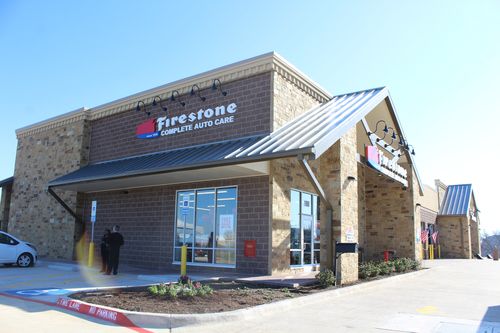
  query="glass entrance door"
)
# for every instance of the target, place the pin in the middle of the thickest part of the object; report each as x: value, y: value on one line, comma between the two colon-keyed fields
x: 304, y: 229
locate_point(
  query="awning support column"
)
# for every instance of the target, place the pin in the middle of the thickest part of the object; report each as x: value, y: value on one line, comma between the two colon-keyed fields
x: 65, y: 206
x: 329, y: 229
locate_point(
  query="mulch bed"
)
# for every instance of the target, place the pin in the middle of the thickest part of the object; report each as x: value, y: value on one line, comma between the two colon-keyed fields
x: 227, y: 296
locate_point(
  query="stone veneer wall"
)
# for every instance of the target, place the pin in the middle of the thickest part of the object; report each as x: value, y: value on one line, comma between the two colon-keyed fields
x: 361, y: 211
x: 289, y: 101
x: 390, y: 218
x: 417, y: 215
x: 454, y: 237
x: 146, y: 217
x: 337, y: 164
x: 5, y: 207
x: 35, y: 215
x: 475, y: 237
x: 286, y: 174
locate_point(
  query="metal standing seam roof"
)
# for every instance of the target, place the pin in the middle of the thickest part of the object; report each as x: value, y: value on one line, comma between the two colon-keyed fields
x: 456, y: 200
x: 312, y: 133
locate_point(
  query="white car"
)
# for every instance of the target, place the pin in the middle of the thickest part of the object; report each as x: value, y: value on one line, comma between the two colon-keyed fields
x: 16, y: 251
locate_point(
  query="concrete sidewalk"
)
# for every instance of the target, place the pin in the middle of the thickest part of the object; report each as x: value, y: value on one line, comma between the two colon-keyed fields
x: 455, y: 296
x: 452, y: 296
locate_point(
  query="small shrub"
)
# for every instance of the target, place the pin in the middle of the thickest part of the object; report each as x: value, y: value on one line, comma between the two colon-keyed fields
x: 415, y: 265
x: 385, y: 268
x: 153, y: 290
x: 362, y: 270
x: 369, y: 269
x: 287, y: 292
x: 174, y: 290
x: 400, y: 265
x: 326, y: 278
x: 207, y: 289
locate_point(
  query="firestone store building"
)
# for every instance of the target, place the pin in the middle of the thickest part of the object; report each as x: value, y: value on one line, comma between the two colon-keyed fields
x: 253, y: 166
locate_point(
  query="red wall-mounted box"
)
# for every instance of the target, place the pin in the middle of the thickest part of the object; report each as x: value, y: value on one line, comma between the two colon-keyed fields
x: 250, y: 247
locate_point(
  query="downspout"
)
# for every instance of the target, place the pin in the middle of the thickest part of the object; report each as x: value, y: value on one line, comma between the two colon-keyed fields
x: 329, y: 213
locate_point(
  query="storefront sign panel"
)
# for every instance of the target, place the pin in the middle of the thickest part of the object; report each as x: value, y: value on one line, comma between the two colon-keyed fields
x: 376, y: 159
x: 203, y: 118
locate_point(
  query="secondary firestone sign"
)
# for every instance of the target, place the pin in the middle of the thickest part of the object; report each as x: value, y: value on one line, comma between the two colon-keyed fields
x: 203, y: 118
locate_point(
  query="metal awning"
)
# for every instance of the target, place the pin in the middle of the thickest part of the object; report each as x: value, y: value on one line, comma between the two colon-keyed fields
x: 456, y: 200
x: 310, y: 134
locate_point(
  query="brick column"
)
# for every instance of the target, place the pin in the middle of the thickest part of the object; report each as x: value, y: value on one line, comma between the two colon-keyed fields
x: 338, y: 163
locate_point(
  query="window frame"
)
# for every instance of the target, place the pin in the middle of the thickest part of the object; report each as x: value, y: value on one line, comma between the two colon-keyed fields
x: 315, y: 213
x: 214, y: 248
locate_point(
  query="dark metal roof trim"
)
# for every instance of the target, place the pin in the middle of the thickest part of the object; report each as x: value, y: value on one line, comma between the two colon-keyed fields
x: 7, y: 181
x: 196, y: 157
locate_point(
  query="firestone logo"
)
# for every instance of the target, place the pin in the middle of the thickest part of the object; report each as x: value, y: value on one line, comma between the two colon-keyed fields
x: 163, y: 126
x: 376, y: 159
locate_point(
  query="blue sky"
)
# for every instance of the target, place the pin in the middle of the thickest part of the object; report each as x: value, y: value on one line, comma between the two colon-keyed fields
x: 440, y: 60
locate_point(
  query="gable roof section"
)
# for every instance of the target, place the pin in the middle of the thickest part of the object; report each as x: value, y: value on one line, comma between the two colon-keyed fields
x: 456, y: 200
x: 318, y: 129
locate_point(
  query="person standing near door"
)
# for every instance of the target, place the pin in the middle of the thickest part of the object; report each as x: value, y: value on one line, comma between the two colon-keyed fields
x: 105, y: 250
x: 115, y: 242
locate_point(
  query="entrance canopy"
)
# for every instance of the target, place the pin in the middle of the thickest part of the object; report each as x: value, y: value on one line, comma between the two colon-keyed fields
x: 308, y: 135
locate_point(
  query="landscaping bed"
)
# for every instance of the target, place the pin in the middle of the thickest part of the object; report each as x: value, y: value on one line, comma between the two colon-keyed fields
x: 187, y: 296
x: 226, y: 296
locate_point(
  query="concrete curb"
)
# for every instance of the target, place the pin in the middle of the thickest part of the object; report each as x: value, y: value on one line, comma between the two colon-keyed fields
x: 64, y: 267
x: 155, y: 320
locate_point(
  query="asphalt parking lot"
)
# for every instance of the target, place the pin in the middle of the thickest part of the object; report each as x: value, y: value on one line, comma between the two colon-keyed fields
x: 450, y: 296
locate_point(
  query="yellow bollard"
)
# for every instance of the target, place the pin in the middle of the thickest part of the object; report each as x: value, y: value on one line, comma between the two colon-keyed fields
x: 431, y: 251
x: 91, y: 254
x: 183, y: 259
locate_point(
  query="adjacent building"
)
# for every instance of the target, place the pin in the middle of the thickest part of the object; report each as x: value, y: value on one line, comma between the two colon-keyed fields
x: 450, y: 221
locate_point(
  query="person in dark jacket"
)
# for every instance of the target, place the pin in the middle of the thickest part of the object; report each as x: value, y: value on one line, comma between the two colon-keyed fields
x: 115, y: 241
x: 105, y: 250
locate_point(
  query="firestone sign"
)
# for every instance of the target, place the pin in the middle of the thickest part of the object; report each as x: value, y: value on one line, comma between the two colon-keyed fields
x: 376, y: 159
x: 203, y: 118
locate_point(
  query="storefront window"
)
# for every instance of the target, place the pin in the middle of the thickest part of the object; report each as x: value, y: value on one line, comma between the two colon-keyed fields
x: 304, y: 229
x: 206, y: 223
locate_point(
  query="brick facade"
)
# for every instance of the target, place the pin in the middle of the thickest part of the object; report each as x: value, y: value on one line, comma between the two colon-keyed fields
x: 147, y: 216
x: 114, y: 136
